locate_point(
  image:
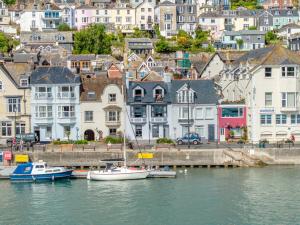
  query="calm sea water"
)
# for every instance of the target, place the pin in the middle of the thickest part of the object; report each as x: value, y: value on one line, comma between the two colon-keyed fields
x: 203, y: 196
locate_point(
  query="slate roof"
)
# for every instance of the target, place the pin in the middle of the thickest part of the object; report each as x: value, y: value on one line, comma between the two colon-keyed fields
x: 82, y: 57
x: 53, y: 75
x: 230, y: 56
x: 204, y: 90
x: 244, y: 32
x: 86, y: 7
x: 290, y: 25
x: 47, y: 37
x: 148, y: 87
x: 25, y: 58
x: 272, y: 55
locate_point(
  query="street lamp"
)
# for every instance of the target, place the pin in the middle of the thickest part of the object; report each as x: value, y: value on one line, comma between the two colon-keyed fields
x: 188, y: 103
x: 77, y: 129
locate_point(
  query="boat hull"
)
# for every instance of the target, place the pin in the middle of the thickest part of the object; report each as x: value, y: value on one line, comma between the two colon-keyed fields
x: 40, y: 177
x: 115, y: 176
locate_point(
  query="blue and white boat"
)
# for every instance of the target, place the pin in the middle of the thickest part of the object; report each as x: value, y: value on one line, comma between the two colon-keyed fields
x: 38, y: 171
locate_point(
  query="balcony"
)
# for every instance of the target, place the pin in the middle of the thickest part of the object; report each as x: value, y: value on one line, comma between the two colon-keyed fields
x: 289, y: 109
x: 116, y: 123
x: 138, y: 120
x: 43, y: 95
x: 43, y: 120
x: 66, y: 95
x: 138, y: 98
x: 185, y: 121
x: 159, y: 120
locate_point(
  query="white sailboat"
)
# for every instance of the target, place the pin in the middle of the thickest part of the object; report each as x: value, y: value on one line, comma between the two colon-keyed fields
x: 111, y: 172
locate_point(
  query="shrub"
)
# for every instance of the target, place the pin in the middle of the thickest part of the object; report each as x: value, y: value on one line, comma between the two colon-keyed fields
x: 164, y: 141
x: 58, y: 142
x: 81, y: 142
x: 113, y: 140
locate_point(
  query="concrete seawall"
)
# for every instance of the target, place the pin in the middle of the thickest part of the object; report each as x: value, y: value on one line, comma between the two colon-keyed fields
x: 160, y: 157
x: 184, y: 157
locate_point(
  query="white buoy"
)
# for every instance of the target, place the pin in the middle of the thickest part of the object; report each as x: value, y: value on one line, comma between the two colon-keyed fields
x: 185, y: 171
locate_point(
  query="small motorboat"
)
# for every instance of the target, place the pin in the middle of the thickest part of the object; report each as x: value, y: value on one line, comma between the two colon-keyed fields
x: 166, y: 172
x: 38, y: 171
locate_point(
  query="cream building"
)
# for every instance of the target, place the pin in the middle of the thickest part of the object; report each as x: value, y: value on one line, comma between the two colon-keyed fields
x: 268, y: 80
x: 14, y: 100
x: 145, y: 15
x: 101, y: 105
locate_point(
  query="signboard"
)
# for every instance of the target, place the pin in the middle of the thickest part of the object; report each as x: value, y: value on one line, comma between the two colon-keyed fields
x: 7, y: 155
x: 145, y: 155
x: 21, y: 158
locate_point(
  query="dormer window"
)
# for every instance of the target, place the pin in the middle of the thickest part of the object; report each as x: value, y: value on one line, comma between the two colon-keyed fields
x: 24, y: 82
x: 91, y: 95
x: 186, y: 96
x: 276, y: 13
x: 35, y: 7
x: 138, y: 94
x: 158, y: 94
x: 48, y: 6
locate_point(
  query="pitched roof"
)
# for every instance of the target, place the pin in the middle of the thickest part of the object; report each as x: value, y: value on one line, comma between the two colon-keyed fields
x: 290, y: 25
x: 16, y: 71
x: 82, y: 57
x: 166, y: 3
x: 230, y: 56
x: 148, y: 87
x: 53, y: 75
x: 96, y: 83
x: 25, y: 58
x: 152, y: 76
x: 205, y: 92
x: 272, y: 55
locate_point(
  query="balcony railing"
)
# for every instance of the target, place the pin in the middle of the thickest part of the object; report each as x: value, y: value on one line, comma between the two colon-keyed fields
x: 43, y: 95
x: 159, y: 119
x: 66, y: 95
x: 138, y: 120
x: 113, y: 123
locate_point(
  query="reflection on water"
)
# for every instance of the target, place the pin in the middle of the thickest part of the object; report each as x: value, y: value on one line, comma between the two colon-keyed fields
x: 202, y: 196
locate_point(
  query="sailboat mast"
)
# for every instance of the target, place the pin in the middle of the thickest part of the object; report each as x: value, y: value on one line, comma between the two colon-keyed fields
x: 124, y: 127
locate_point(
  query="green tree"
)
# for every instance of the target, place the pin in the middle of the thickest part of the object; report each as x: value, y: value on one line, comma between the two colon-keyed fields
x: 271, y: 38
x: 157, y: 31
x: 184, y: 40
x: 63, y: 27
x: 240, y: 43
x: 93, y: 39
x: 7, y: 43
x: 200, y: 37
x: 163, y: 46
x: 137, y: 33
x: 9, y: 2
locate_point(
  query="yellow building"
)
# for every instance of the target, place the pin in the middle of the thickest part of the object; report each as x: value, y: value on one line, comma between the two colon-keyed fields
x: 14, y: 99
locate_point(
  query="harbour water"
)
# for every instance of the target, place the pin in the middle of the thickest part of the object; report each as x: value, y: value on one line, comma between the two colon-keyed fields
x: 269, y: 195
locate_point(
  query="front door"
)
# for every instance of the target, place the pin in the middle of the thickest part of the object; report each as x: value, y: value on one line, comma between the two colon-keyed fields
x: 211, y: 132
x: 37, y: 134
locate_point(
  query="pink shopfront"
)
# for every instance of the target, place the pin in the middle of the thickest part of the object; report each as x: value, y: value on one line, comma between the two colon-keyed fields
x: 232, y: 120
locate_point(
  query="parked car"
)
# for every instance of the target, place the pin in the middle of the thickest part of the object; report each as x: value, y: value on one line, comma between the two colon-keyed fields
x: 28, y: 139
x: 192, y: 138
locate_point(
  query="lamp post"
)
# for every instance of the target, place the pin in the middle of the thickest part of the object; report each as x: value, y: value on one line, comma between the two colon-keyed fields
x: 77, y: 129
x: 188, y: 103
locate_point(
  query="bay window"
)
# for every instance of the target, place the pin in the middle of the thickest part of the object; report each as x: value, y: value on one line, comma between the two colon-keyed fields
x: 43, y: 111
x: 158, y: 111
x: 66, y: 111
x: 232, y: 112
x: 43, y: 92
x: 138, y: 111
x: 14, y: 104
x: 66, y: 92
x: 113, y: 116
x: 185, y: 96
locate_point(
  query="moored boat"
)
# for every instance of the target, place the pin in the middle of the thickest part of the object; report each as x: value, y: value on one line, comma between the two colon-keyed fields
x: 39, y: 171
x: 112, y: 173
x: 166, y: 172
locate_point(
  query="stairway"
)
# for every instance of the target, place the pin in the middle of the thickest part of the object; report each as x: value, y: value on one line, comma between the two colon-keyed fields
x: 243, y: 159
